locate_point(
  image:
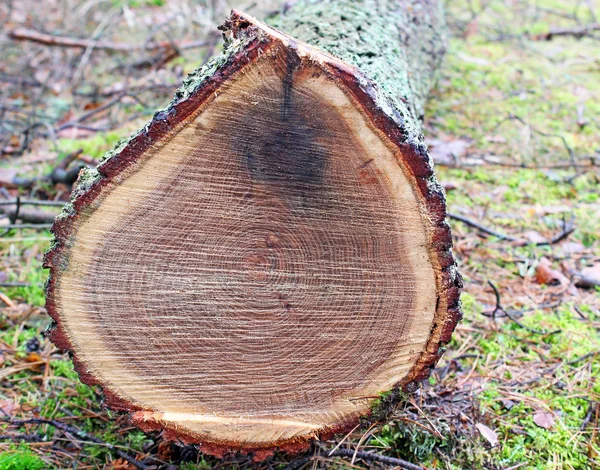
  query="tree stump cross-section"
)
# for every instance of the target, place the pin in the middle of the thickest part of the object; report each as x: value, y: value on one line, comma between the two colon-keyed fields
x: 256, y: 266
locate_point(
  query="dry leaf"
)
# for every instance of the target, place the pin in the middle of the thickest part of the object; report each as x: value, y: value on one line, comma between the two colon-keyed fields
x: 6, y: 176
x: 448, y: 153
x: 33, y: 357
x: 535, y: 237
x: 544, y: 274
x: 6, y: 299
x: 489, y: 434
x: 589, y: 277
x: 8, y: 407
x: 544, y: 419
x: 121, y: 464
x: 572, y: 248
x: 165, y: 450
x: 92, y: 105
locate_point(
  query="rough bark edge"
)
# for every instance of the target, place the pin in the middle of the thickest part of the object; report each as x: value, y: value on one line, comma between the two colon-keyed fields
x: 246, y: 39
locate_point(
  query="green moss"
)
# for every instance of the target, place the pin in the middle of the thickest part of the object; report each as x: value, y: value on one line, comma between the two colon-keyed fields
x: 538, y: 446
x: 21, y: 458
x: 202, y: 464
x: 470, y: 305
x: 64, y: 368
x: 486, y: 81
x: 94, y: 146
x: 382, y: 406
x: 28, y: 270
x: 417, y: 444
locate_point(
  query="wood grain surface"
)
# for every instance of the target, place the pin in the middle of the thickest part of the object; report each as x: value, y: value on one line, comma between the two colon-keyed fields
x: 262, y: 265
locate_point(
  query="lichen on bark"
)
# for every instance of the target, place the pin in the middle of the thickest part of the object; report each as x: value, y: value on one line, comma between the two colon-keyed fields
x: 396, y: 44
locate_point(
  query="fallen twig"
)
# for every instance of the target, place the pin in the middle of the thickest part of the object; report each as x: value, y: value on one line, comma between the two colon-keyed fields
x: 500, y: 308
x: 481, y: 228
x: 532, y: 330
x: 80, y: 435
x: 572, y: 159
x: 372, y: 457
x: 576, y: 32
x: 584, y: 162
x: 594, y: 408
x: 30, y: 216
x: 60, y: 174
x: 33, y: 202
x: 26, y: 226
x: 15, y: 212
x: 85, y: 116
x: 28, y: 34
x: 568, y: 229
x: 21, y: 437
x: 583, y: 358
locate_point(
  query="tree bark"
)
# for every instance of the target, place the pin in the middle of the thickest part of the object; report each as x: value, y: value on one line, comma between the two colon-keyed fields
x: 267, y: 257
x: 397, y: 44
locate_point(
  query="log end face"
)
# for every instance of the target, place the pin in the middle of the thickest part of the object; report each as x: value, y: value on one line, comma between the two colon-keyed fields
x: 302, y: 244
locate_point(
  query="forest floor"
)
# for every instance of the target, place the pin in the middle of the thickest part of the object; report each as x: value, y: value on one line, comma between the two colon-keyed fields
x: 514, y: 126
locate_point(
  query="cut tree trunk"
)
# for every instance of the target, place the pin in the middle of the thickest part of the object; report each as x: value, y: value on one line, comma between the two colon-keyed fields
x: 255, y: 267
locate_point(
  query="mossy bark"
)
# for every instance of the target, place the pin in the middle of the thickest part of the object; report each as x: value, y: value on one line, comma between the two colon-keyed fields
x: 399, y: 45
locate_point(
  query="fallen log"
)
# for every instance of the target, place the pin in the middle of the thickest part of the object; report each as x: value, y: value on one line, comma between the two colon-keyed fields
x: 259, y: 264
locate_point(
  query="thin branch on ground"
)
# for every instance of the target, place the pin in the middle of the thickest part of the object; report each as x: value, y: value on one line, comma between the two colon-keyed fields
x: 513, y: 117
x: 577, y: 32
x: 32, y: 35
x: 594, y: 408
x: 28, y: 216
x: 532, y: 330
x: 481, y: 228
x: 500, y: 308
x: 372, y: 457
x: 21, y: 437
x: 80, y: 435
x: 568, y: 229
x: 89, y: 114
x: 33, y: 202
x: 585, y: 162
x: 583, y: 358
x: 60, y: 174
x: 25, y: 226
